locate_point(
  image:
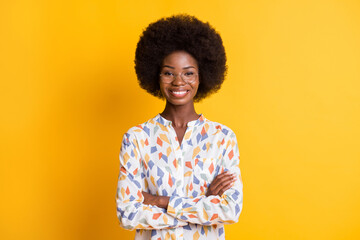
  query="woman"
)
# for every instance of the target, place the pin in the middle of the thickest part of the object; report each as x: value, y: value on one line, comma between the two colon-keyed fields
x: 179, y: 172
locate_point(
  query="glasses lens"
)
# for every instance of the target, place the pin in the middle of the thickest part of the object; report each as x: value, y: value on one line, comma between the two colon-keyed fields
x: 187, y: 76
x: 167, y: 77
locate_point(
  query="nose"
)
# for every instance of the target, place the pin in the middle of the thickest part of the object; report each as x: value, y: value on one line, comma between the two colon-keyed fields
x: 178, y: 81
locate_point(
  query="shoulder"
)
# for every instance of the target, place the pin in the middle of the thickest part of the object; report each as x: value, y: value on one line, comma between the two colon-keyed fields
x: 139, y: 130
x: 221, y: 128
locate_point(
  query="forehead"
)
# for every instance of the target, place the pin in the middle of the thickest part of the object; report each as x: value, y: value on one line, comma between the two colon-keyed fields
x: 180, y: 59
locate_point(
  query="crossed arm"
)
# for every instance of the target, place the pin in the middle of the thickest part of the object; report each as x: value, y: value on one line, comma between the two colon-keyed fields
x: 218, y: 186
x: 140, y: 210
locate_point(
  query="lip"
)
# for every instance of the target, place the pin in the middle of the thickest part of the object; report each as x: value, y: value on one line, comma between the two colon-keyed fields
x: 178, y: 94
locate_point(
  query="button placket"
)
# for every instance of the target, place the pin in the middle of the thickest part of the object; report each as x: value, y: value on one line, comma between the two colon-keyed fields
x: 174, y: 143
x: 179, y: 153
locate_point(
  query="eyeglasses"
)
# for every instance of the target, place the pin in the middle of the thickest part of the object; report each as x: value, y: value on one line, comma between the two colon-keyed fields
x: 189, y: 76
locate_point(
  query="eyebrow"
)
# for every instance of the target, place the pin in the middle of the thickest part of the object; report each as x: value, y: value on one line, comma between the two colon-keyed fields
x: 174, y: 68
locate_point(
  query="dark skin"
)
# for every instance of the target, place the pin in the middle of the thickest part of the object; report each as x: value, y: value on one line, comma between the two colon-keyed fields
x: 180, y: 110
x: 185, y: 114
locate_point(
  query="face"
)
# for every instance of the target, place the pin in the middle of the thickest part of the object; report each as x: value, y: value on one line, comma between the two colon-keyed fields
x: 178, y: 91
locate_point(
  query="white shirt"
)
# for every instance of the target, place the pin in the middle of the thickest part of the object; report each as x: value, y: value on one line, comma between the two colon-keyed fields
x: 152, y: 160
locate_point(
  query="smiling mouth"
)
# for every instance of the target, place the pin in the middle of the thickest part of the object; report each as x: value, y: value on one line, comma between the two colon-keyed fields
x: 179, y: 93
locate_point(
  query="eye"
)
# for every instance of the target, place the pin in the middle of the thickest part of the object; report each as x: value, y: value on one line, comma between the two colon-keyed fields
x: 189, y: 74
x: 168, y: 74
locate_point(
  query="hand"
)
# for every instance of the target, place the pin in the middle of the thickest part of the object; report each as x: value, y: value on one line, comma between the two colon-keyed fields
x: 221, y: 183
x: 160, y: 201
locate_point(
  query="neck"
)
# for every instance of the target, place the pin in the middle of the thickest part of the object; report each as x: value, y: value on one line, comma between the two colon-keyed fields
x: 180, y: 115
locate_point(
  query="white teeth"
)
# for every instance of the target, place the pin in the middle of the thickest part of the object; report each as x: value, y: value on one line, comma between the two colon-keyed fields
x: 182, y: 92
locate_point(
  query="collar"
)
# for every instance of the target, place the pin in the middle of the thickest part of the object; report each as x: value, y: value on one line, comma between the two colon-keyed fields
x: 163, y: 121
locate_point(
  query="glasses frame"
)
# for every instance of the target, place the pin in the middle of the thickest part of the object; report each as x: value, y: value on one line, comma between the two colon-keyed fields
x: 175, y: 75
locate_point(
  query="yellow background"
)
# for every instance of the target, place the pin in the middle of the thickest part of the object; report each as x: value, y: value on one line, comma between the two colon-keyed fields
x: 69, y: 92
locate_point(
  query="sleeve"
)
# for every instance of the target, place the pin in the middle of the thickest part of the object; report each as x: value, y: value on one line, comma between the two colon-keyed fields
x: 213, y: 210
x: 131, y: 211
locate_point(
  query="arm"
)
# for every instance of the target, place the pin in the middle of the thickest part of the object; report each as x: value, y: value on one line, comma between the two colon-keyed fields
x: 219, y: 185
x: 131, y: 210
x: 210, y: 210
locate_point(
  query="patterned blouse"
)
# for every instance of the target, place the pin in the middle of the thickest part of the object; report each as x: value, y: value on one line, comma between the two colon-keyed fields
x: 152, y: 160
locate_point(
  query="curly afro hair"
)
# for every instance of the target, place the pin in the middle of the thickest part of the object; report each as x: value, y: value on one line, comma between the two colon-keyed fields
x: 176, y: 33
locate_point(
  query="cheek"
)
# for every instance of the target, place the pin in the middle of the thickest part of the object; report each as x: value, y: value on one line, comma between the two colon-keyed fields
x: 162, y: 89
x: 196, y: 88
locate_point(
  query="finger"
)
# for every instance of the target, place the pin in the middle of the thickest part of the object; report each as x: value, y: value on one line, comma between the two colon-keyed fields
x: 225, y: 188
x: 222, y: 176
x: 223, y: 184
x: 218, y: 180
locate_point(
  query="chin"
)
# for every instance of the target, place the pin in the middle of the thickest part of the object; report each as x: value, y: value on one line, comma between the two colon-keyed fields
x: 180, y: 101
